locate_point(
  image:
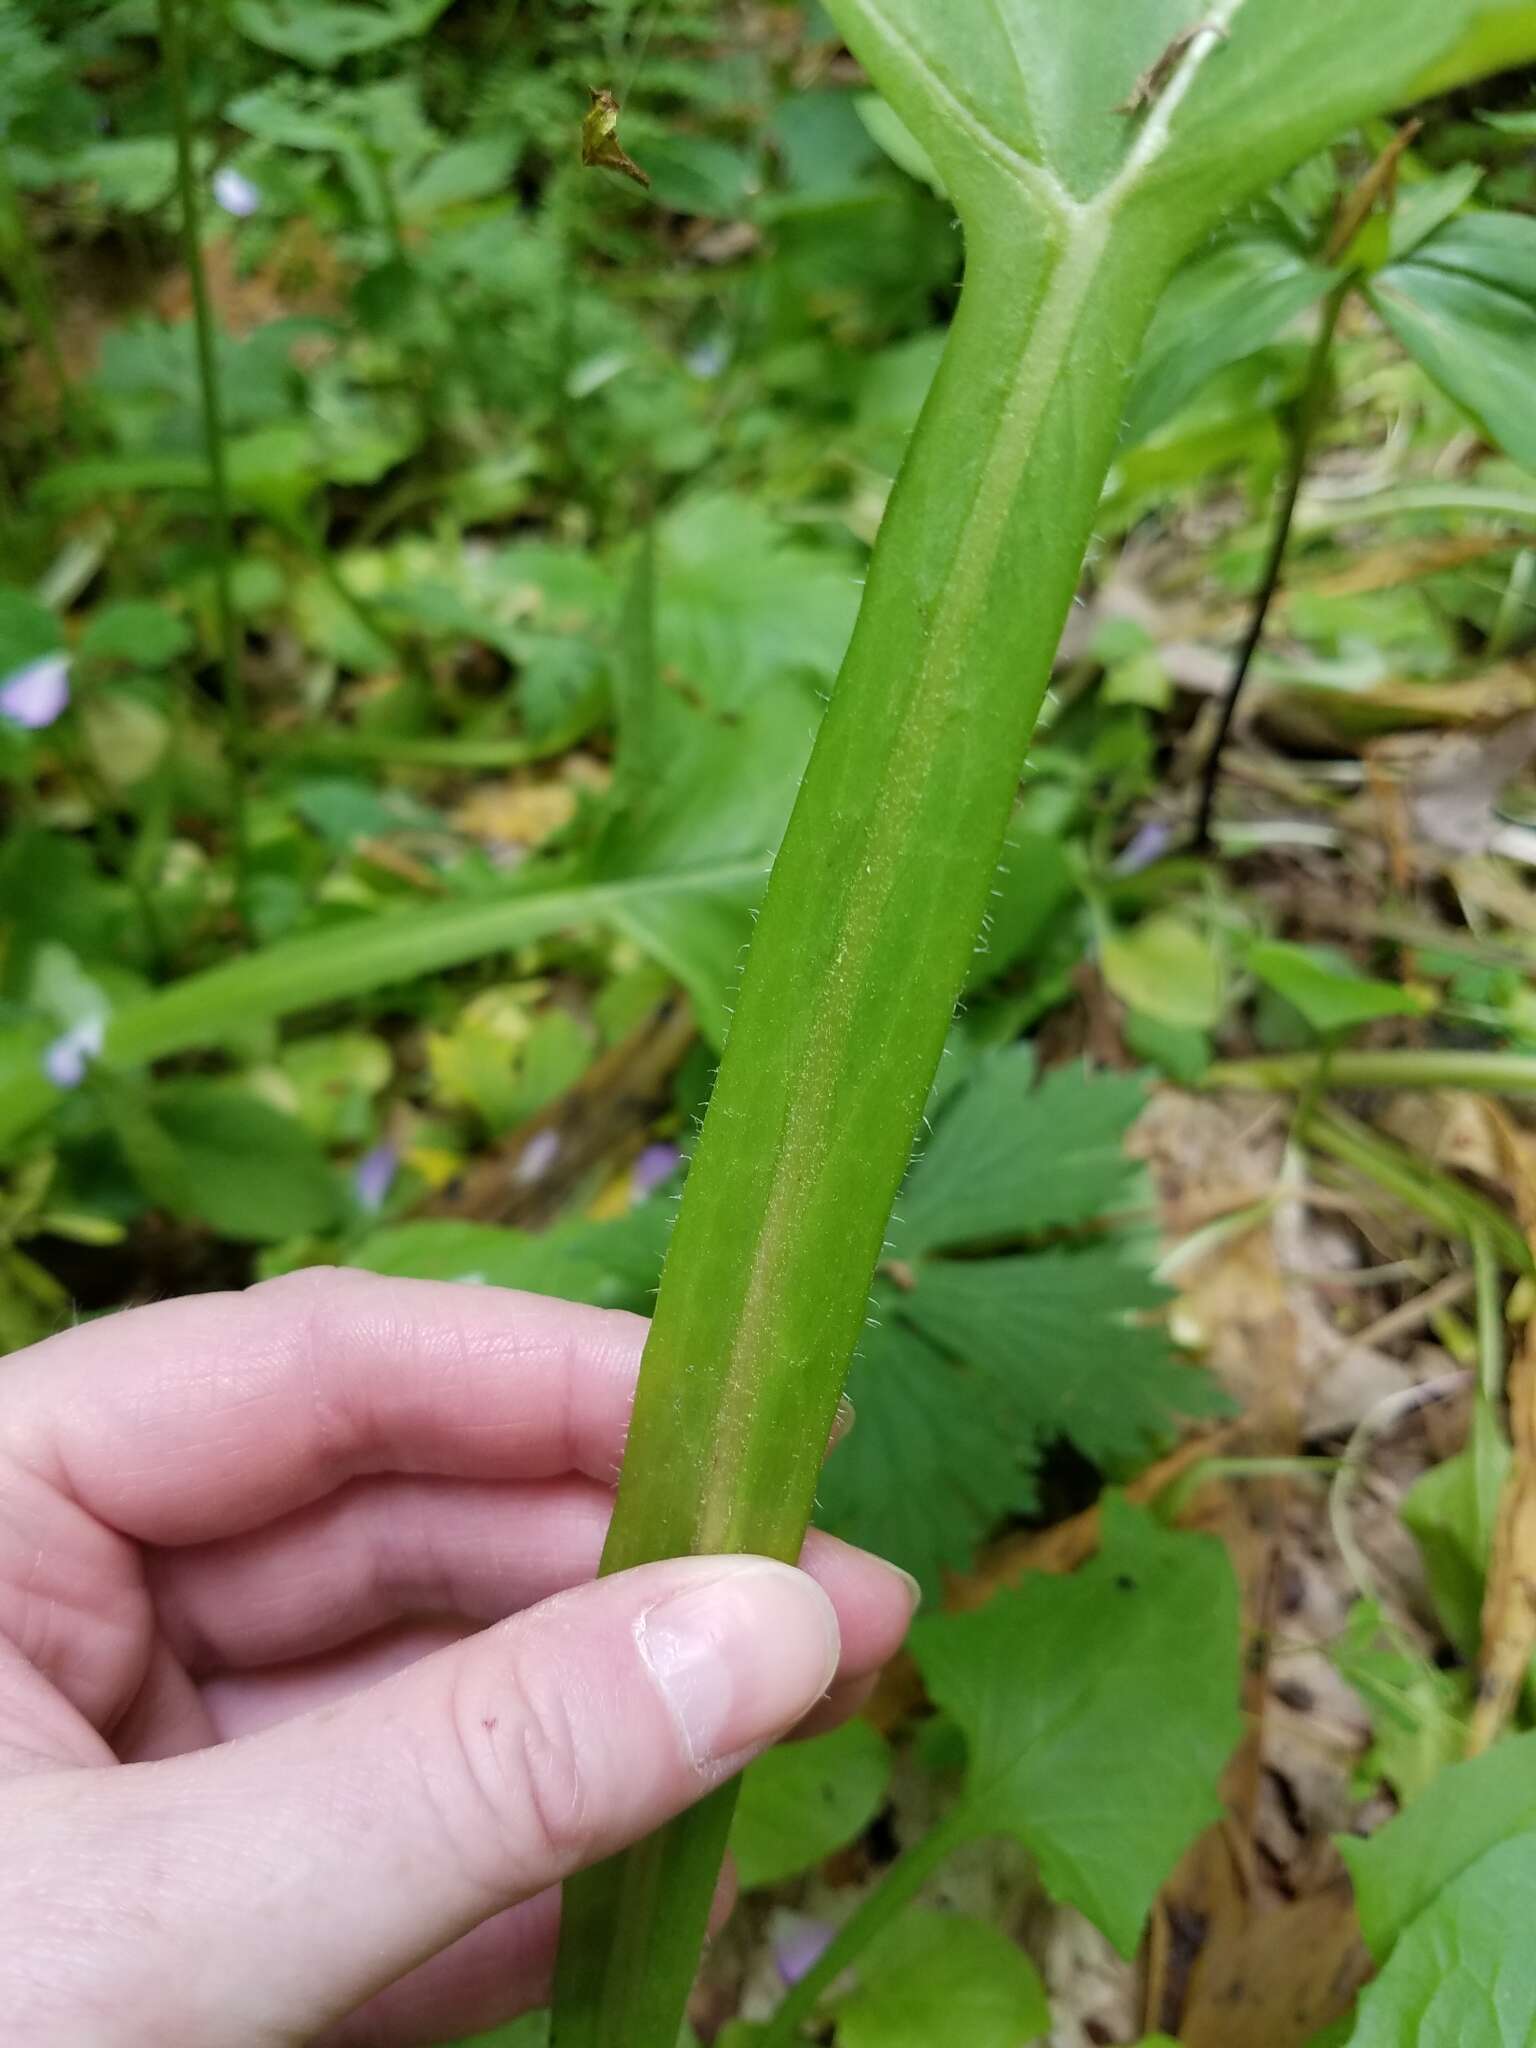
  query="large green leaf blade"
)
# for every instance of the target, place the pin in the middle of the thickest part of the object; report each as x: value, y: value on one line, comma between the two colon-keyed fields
x: 1099, y: 1711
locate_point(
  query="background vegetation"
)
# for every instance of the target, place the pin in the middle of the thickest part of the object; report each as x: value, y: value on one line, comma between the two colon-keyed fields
x: 390, y: 778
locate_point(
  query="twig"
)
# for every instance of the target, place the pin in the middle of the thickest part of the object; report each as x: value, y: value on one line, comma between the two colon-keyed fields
x: 1309, y: 412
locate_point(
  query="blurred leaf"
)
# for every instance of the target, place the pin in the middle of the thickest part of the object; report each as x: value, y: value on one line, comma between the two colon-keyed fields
x: 28, y: 631
x: 1470, y: 1809
x: 1463, y: 1974
x: 1464, y: 306
x: 898, y: 141
x: 612, y: 1265
x: 934, y: 1976
x: 802, y: 1800
x: 1423, y: 207
x: 335, y: 1078
x: 142, y: 634
x: 1166, y: 969
x: 1417, y: 1728
x: 325, y: 35
x: 1327, y: 992
x: 1099, y: 1711
x: 211, y: 1153
x: 1227, y: 303
x: 1450, y: 1511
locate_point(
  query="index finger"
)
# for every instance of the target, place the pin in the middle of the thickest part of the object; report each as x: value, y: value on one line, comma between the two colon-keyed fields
x: 203, y: 1417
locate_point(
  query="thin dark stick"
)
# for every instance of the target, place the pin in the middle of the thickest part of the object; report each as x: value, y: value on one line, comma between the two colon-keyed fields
x: 1309, y: 412
x: 237, y: 730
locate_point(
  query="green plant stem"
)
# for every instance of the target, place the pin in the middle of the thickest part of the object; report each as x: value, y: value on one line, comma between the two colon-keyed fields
x: 873, y: 1914
x: 1309, y: 412
x: 864, y: 941
x: 237, y: 727
x: 1443, y: 1200
x: 1494, y: 1073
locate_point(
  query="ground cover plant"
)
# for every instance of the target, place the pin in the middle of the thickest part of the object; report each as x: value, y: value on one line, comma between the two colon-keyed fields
x: 442, y: 449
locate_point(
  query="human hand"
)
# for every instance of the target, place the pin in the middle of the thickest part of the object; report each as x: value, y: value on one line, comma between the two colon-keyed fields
x: 267, y: 1775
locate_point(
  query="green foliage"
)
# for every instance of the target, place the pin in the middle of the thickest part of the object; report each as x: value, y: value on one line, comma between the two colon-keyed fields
x: 801, y: 1801
x: 1098, y: 1712
x: 1328, y: 993
x: 1464, y: 1970
x: 974, y: 1364
x: 1469, y: 1811
x: 941, y: 1976
x: 211, y: 1153
x: 1463, y: 303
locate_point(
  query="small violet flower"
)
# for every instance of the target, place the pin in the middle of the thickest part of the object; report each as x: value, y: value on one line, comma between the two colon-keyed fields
x: 234, y: 191
x: 1144, y: 848
x: 657, y: 1163
x: 36, y: 695
x: 374, y: 1176
x: 799, y: 1946
x: 65, y: 1061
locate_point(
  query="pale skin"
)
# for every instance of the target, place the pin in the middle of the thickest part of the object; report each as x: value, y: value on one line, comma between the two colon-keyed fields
x: 308, y: 1695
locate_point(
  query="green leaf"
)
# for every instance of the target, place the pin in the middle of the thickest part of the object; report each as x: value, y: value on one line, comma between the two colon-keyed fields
x: 1450, y: 1512
x: 1416, y: 1726
x: 974, y: 1364
x: 28, y: 631
x: 802, y: 1800
x: 1099, y: 1711
x: 1468, y: 1811
x: 324, y: 36
x: 897, y: 140
x: 1328, y: 993
x: 943, y: 1977
x: 611, y: 1265
x: 1012, y: 1158
x: 145, y: 634
x: 1166, y: 969
x: 1463, y: 1974
x: 1062, y: 1336
x: 930, y: 1469
x: 212, y: 1153
x: 1231, y: 301
x: 1463, y: 304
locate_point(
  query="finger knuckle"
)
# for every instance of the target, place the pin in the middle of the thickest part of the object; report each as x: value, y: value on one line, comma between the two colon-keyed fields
x: 529, y: 1814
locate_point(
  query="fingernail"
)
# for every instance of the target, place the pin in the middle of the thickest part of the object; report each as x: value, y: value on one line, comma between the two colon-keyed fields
x: 914, y: 1590
x: 740, y: 1655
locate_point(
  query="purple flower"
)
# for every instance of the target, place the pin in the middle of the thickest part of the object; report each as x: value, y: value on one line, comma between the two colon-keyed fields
x: 66, y: 1059
x: 657, y: 1163
x: 234, y: 191
x: 799, y: 1946
x: 1145, y: 846
x: 374, y: 1176
x: 36, y: 695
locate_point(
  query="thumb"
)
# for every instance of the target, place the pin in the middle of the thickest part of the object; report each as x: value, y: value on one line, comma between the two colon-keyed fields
x: 275, y: 1882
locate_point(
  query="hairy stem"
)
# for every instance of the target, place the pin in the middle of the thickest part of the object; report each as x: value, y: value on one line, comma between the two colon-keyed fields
x: 173, y: 41
x: 863, y: 944
x: 1309, y: 412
